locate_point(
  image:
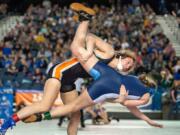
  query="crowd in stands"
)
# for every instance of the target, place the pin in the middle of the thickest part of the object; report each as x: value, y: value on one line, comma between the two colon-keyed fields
x: 46, y: 32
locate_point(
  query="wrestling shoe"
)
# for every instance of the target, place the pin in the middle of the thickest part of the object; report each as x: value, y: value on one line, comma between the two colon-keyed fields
x: 84, y: 13
x: 33, y: 118
x: 6, y: 125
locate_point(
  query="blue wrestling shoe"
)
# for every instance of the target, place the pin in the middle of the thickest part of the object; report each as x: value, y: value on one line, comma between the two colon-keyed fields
x: 7, y: 124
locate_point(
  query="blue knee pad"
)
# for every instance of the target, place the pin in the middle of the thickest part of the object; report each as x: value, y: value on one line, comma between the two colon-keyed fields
x: 94, y: 73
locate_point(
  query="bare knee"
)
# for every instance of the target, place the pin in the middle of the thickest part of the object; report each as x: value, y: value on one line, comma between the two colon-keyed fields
x: 44, y: 107
x: 75, y: 48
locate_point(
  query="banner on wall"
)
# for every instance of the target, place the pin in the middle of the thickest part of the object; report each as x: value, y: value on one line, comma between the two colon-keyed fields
x: 27, y: 97
x: 6, y: 102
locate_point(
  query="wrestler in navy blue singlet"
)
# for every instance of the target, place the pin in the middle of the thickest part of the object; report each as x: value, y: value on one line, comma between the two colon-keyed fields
x: 108, y: 82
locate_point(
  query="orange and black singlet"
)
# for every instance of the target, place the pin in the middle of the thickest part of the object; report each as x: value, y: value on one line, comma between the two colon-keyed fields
x: 69, y: 71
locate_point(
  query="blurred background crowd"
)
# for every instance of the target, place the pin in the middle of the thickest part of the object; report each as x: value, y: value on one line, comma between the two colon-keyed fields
x: 43, y: 38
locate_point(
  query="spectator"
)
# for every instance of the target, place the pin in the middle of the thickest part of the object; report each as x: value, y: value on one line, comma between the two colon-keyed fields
x: 38, y: 76
x: 2, y: 60
x: 12, y: 70
x: 177, y: 66
x: 174, y: 102
x: 7, y: 49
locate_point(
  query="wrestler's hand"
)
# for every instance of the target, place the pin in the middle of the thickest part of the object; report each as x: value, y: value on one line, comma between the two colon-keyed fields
x: 84, y: 55
x: 122, y: 95
x: 154, y: 124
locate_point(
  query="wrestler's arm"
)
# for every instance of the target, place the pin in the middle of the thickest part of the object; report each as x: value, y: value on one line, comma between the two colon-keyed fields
x: 136, y: 112
x: 123, y: 93
x: 143, y: 100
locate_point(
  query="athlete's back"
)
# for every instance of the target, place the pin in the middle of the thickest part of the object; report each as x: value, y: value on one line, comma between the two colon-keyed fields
x: 109, y: 82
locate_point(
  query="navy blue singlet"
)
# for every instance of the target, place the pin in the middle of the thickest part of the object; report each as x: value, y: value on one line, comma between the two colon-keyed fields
x: 108, y: 81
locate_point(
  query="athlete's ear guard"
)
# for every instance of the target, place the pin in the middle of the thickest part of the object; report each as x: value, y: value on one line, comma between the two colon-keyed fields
x: 119, y: 65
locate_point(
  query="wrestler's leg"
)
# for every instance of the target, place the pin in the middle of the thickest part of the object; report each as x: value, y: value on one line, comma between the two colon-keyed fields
x: 105, y: 49
x: 69, y: 97
x: 87, y: 98
x: 51, y: 90
x: 78, y: 46
x: 80, y: 102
